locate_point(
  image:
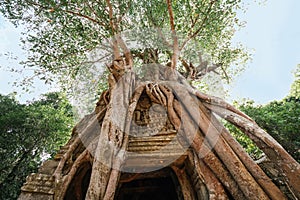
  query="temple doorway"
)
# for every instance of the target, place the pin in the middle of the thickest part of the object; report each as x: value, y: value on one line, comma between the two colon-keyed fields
x: 158, y: 185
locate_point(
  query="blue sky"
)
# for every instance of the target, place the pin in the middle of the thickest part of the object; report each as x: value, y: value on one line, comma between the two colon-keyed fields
x: 272, y: 30
x: 10, y: 42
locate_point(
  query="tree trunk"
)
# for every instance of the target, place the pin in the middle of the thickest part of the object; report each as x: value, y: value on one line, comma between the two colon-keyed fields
x: 214, y: 155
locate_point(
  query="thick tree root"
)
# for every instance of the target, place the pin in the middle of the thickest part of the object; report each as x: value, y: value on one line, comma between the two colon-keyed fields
x: 284, y: 163
x: 219, y: 161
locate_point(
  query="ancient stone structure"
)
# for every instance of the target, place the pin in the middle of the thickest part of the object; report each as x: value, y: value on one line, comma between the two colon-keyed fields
x: 167, y: 144
x: 146, y: 143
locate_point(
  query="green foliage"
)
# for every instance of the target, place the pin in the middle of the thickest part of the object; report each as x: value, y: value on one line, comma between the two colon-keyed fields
x: 30, y: 133
x: 295, y: 88
x: 249, y: 146
x: 281, y: 120
x: 60, y: 33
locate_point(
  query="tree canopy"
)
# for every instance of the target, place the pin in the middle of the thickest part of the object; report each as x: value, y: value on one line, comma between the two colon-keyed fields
x: 68, y: 38
x: 30, y: 133
x: 60, y: 34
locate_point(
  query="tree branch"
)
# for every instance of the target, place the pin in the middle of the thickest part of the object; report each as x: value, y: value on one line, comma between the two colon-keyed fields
x: 225, y: 73
x: 84, y: 16
x: 174, y: 36
x: 121, y: 17
x: 51, y: 9
x: 196, y: 73
x: 113, y: 29
x: 91, y: 9
x: 127, y: 53
x: 193, y: 35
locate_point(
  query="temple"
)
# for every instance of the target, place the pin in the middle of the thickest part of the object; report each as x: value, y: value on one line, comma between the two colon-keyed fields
x: 159, y: 157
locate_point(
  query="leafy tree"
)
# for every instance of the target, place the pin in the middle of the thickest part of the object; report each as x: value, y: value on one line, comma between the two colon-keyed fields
x: 67, y: 37
x: 279, y: 118
x: 30, y: 133
x: 61, y: 33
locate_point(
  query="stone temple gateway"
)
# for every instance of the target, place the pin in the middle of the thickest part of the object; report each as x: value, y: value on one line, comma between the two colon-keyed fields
x: 164, y: 182
x: 169, y: 145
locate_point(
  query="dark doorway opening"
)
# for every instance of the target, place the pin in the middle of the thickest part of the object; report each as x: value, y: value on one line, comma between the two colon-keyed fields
x: 80, y: 183
x: 159, y: 185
